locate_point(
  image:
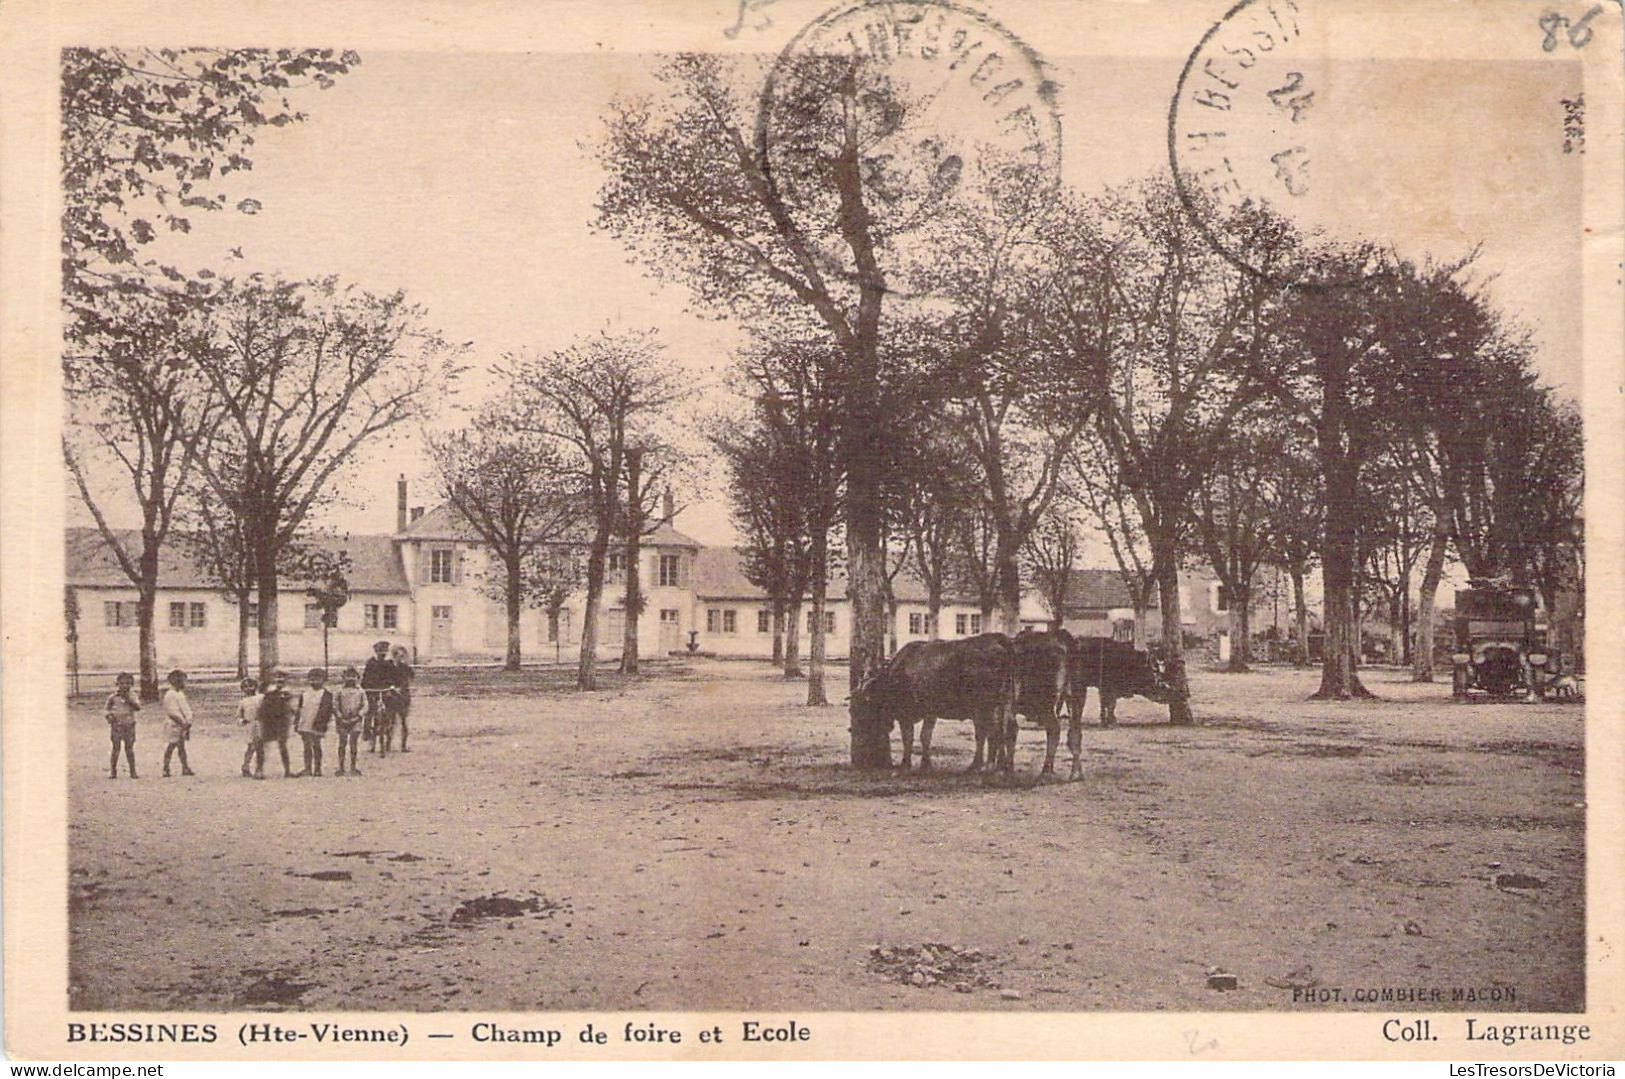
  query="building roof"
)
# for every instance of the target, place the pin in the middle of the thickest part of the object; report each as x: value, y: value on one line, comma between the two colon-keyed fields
x: 1099, y: 589
x: 719, y: 574
x: 444, y: 523
x: 375, y: 563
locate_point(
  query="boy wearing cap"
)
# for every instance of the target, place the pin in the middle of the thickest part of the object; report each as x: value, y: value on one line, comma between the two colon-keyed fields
x: 377, y: 678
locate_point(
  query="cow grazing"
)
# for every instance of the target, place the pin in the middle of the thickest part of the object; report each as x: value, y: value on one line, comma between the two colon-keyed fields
x: 1042, y: 660
x: 1116, y: 670
x: 973, y: 678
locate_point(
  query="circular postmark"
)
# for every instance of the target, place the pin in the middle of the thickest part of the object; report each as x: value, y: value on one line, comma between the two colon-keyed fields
x: 1242, y: 125
x: 912, y: 97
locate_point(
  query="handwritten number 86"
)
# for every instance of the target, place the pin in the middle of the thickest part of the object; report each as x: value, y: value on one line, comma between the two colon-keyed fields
x: 1579, y: 30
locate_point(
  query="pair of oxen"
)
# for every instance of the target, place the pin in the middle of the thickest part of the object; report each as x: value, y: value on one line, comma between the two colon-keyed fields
x: 991, y: 679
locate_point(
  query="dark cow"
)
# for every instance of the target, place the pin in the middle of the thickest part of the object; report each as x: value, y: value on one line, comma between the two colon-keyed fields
x: 1043, y: 664
x: 973, y: 678
x: 1117, y: 670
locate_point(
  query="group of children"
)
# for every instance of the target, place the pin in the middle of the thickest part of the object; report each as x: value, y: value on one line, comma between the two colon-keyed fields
x: 368, y: 705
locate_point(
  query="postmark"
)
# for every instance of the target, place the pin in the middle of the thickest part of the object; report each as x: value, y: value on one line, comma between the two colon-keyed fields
x: 944, y: 88
x: 1244, y: 121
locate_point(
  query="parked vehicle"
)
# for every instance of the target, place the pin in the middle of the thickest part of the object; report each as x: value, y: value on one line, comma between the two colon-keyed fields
x: 1501, y: 646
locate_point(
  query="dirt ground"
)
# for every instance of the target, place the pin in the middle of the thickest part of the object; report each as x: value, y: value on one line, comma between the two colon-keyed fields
x: 692, y: 840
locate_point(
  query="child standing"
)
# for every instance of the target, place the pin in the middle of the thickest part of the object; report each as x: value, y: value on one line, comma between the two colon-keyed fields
x: 376, y: 679
x: 120, y: 711
x: 349, y: 709
x: 276, y: 711
x: 248, y: 713
x: 315, y: 712
x: 177, y: 722
x: 403, y: 687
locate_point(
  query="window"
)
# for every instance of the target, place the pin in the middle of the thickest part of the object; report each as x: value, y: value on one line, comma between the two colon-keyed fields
x: 1221, y: 598
x: 669, y: 566
x: 253, y: 616
x: 613, y: 565
x: 119, y: 615
x: 441, y: 612
x: 197, y: 617
x: 916, y: 624
x: 975, y: 624
x: 829, y: 622
x: 730, y: 621
x: 764, y: 621
x: 440, y: 564
x: 177, y: 616
x: 313, y: 616
x: 713, y: 618
x: 960, y: 622
x: 369, y: 616
x: 392, y: 616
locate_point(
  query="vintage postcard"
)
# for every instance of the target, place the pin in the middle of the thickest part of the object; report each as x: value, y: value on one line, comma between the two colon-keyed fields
x: 785, y: 529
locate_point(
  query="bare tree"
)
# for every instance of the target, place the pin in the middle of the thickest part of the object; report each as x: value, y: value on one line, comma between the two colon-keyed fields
x: 306, y: 374
x: 1232, y: 520
x: 1185, y: 334
x: 793, y: 379
x: 1096, y: 483
x: 766, y: 475
x: 1051, y: 552
x: 1293, y: 517
x: 594, y: 400
x: 509, y: 486
x: 217, y: 540
x: 935, y: 492
x: 135, y: 404
x: 803, y: 209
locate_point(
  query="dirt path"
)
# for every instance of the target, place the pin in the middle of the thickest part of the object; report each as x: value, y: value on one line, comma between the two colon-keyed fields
x: 691, y: 841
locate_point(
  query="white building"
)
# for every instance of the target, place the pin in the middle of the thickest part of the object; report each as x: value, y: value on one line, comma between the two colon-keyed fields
x: 423, y: 586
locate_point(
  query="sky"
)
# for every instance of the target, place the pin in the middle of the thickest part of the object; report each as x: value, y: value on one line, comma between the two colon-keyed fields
x: 466, y: 179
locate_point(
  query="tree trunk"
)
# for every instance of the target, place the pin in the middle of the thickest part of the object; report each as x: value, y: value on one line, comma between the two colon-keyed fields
x: 146, y: 607
x: 146, y: 612
x: 891, y: 622
x: 1300, y: 607
x: 244, y: 598
x: 1396, y: 624
x: 633, y: 603
x: 871, y: 743
x: 933, y: 612
x: 1339, y: 679
x: 1422, y: 657
x: 1140, y: 634
x: 1240, y: 627
x: 778, y: 631
x: 816, y: 696
x: 587, y: 672
x: 1009, y: 585
x: 1173, y: 639
x: 515, y: 577
x: 266, y: 580
x: 792, y: 640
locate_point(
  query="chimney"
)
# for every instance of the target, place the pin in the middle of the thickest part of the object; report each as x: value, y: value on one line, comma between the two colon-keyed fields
x: 668, y: 508
x: 400, y: 503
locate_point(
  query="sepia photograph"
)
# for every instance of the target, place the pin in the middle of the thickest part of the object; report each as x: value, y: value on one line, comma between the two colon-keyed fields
x: 903, y: 506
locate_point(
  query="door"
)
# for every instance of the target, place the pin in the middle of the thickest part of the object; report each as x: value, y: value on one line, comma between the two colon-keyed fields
x: 440, y: 630
x: 671, y: 632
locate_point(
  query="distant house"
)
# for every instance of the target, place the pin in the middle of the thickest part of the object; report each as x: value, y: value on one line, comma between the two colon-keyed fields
x: 425, y: 586
x: 735, y: 617
x: 448, y: 564
x: 196, y: 623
